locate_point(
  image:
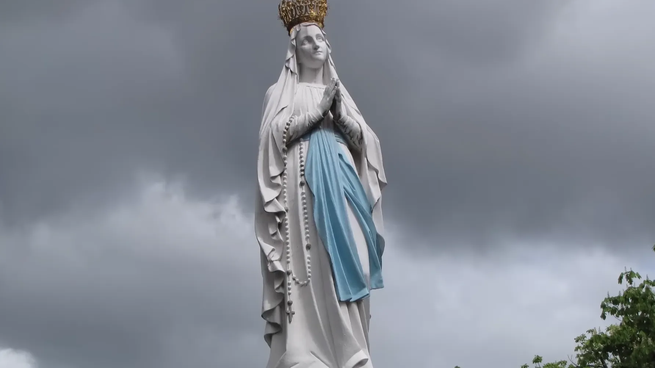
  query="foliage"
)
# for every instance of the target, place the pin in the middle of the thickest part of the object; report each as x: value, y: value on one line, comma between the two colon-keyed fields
x: 538, y: 360
x: 630, y: 343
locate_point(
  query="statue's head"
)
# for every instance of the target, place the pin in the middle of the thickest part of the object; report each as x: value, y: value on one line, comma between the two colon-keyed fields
x: 311, y: 46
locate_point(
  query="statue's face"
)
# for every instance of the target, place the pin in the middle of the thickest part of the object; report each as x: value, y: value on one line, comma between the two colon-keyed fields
x: 311, y: 47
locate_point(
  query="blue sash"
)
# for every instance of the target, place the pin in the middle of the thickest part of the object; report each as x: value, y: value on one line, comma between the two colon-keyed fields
x: 335, y: 184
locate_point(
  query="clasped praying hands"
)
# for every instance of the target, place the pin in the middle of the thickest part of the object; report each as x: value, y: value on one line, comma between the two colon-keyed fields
x: 328, y: 99
x: 331, y: 103
x: 337, y: 108
x: 340, y: 116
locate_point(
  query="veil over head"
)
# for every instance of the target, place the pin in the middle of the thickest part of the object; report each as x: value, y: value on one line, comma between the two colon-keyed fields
x: 278, y: 106
x: 277, y: 110
x: 280, y: 96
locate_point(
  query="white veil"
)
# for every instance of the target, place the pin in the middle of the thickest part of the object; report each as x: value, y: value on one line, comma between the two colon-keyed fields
x: 277, y: 109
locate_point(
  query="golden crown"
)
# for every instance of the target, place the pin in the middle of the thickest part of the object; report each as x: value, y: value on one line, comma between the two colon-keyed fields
x: 294, y: 12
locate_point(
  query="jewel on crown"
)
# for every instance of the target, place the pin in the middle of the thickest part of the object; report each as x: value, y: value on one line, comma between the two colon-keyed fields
x: 294, y: 12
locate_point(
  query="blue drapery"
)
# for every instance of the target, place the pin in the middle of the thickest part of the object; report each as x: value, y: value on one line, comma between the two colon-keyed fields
x: 335, y: 184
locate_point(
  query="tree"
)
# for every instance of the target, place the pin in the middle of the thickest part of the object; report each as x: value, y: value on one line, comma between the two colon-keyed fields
x: 538, y: 360
x: 628, y: 344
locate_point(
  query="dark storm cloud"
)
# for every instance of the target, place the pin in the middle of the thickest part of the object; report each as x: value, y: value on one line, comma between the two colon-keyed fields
x: 513, y: 120
x: 141, y: 286
x: 520, y: 120
x: 36, y: 10
x: 490, y: 125
x: 508, y: 119
x: 163, y: 280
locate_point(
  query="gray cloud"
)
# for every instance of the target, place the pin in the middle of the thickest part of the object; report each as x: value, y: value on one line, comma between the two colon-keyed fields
x: 37, y: 10
x: 508, y: 118
x: 507, y: 128
x: 115, y: 289
x: 11, y: 358
x: 164, y: 280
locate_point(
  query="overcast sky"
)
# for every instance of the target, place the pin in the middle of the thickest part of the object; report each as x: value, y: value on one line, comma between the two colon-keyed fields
x: 518, y: 139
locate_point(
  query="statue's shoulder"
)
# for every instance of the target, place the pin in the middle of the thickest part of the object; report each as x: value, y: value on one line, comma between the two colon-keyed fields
x: 269, y: 92
x: 267, y: 97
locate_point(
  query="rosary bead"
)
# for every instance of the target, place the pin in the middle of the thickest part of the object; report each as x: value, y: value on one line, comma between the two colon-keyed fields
x: 291, y: 277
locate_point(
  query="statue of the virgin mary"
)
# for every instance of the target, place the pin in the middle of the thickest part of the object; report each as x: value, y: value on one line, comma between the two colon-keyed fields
x: 318, y: 219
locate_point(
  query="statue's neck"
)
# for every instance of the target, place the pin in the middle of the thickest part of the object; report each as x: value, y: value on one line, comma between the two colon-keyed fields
x: 309, y: 75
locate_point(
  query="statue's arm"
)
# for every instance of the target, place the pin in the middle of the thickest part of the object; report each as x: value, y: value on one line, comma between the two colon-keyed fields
x: 352, y: 130
x: 297, y: 125
x: 301, y: 124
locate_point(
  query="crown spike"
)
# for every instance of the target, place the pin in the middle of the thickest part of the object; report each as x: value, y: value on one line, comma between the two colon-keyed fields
x: 294, y: 12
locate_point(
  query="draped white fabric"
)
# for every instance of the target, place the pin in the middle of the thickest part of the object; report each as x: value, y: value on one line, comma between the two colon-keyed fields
x: 324, y: 332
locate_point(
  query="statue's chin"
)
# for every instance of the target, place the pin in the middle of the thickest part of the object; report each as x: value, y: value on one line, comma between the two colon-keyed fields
x: 314, y: 66
x: 313, y: 61
x: 318, y: 63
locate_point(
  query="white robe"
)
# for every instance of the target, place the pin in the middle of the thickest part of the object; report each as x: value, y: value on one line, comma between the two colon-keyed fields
x: 324, y: 332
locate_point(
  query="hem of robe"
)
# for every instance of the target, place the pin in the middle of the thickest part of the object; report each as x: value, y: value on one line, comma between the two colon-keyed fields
x: 359, y: 357
x: 272, y: 313
x: 314, y: 362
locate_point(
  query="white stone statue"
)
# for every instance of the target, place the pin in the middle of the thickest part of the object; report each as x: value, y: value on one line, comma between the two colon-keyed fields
x: 318, y: 219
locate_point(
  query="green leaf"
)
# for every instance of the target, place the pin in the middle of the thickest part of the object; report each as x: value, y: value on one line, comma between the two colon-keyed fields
x: 628, y: 343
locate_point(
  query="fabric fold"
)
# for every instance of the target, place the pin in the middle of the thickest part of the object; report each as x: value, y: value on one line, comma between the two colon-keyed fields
x: 334, y: 184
